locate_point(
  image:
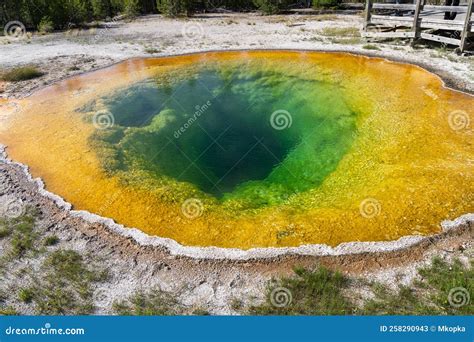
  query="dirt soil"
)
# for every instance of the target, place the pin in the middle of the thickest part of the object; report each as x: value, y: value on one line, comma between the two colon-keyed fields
x: 206, y: 284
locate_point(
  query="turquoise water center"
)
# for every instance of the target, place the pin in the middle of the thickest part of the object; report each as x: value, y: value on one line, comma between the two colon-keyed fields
x: 230, y: 131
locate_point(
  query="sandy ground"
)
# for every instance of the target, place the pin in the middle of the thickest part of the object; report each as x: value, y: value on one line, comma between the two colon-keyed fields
x: 202, y: 284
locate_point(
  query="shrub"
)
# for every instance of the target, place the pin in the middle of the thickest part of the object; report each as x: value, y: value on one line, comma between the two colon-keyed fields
x: 271, y: 6
x: 21, y: 74
x: 51, y: 240
x: 131, y: 8
x: 317, y: 4
x: 174, y: 8
x: 46, y: 25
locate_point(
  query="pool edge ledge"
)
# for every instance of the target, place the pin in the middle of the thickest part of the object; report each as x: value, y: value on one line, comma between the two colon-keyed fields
x: 220, y: 253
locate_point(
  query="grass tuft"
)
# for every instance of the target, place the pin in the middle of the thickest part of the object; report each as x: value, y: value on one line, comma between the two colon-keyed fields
x: 66, y: 287
x: 340, y: 32
x: 26, y: 295
x: 312, y: 292
x: 153, y: 303
x: 371, y: 47
x: 51, y: 240
x: 324, y: 292
x: 21, y: 74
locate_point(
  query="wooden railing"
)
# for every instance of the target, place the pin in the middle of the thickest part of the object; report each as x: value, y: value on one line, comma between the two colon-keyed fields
x: 421, y: 23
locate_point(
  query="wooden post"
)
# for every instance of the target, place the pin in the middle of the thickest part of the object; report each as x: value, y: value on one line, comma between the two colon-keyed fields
x: 368, y: 9
x: 467, y: 27
x: 416, y: 20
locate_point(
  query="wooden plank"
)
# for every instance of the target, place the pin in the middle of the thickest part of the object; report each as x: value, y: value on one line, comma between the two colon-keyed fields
x: 425, y: 23
x: 416, y: 18
x: 457, y: 9
x: 466, y: 28
x: 406, y: 7
x: 388, y: 34
x: 412, y: 7
x: 368, y: 9
x: 429, y: 20
x: 392, y: 18
x: 440, y: 39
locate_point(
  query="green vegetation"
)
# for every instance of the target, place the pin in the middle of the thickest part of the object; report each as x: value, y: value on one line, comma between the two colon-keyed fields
x: 174, y: 8
x: 153, y: 303
x: 22, y: 233
x: 151, y: 50
x: 60, y: 14
x: 66, y: 287
x: 21, y: 74
x: 201, y: 312
x: 46, y: 25
x: 26, y: 295
x: 340, y: 31
x: 51, y: 240
x: 272, y: 6
x: 444, y: 289
x: 311, y: 292
x: 371, y: 47
x: 8, y: 311
x: 4, y: 230
x: 428, y: 296
x: 318, y: 4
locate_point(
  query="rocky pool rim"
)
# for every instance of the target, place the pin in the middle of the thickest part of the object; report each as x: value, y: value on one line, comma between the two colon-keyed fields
x: 260, y: 253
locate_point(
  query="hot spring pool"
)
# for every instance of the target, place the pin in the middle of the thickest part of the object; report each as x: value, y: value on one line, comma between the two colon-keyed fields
x: 254, y: 149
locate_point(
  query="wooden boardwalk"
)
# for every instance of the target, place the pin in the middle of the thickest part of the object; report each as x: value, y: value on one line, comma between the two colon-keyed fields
x: 420, y: 21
